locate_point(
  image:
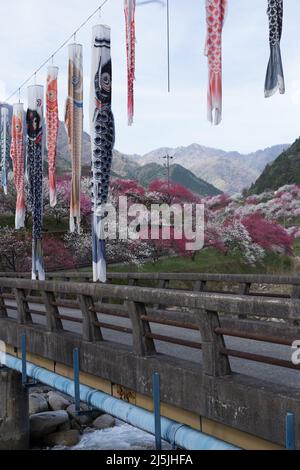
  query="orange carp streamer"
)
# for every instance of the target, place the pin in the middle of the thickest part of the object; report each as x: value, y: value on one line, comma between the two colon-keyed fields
x: 18, y: 158
x: 52, y: 129
x: 74, y: 127
x: 215, y: 17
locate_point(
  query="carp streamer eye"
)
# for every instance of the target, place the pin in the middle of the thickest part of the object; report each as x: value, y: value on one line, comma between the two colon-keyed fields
x: 106, y: 81
x: 75, y: 80
x: 51, y: 95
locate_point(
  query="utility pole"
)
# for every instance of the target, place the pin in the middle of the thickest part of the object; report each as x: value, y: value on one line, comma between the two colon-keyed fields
x: 168, y: 160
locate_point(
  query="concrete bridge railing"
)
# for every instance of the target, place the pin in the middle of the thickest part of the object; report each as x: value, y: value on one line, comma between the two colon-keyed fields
x: 208, y: 387
x: 199, y: 282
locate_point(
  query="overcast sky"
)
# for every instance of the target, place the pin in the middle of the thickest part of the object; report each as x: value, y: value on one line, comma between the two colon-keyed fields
x: 32, y: 29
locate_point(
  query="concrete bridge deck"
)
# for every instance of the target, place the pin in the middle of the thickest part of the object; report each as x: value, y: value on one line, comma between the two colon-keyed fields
x: 239, y: 384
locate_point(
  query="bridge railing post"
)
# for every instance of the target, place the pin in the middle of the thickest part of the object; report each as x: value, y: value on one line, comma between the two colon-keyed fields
x: 295, y: 294
x: 244, y: 289
x: 214, y: 362
x: 199, y: 286
x: 163, y: 284
x: 23, y: 313
x: 90, y: 331
x: 143, y: 345
x: 54, y: 323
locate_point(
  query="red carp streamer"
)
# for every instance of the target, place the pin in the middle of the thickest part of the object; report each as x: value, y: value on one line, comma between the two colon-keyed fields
x: 215, y: 17
x: 129, y: 7
x: 52, y: 129
x: 17, y: 155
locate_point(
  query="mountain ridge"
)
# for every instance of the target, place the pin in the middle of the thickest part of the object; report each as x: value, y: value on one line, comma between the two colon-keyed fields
x: 283, y: 170
x: 226, y: 171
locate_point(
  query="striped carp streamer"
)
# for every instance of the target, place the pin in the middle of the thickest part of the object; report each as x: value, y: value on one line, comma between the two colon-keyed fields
x: 35, y: 151
x: 18, y: 159
x: 74, y: 127
x: 5, y: 141
x: 129, y: 8
x: 52, y: 129
x: 102, y: 141
x: 215, y: 17
x: 275, y: 76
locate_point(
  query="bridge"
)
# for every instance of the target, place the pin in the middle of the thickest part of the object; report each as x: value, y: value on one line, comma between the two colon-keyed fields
x: 221, y: 344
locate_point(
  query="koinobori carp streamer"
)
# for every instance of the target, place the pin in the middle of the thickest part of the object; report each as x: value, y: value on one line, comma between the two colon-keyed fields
x: 102, y: 141
x: 35, y: 151
x: 275, y: 77
x: 5, y: 140
x: 129, y: 8
x: 52, y: 129
x: 215, y: 17
x: 18, y: 159
x: 74, y: 127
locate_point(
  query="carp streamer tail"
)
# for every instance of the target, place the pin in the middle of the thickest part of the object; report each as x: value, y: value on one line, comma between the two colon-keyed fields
x: 275, y: 76
x: 215, y: 17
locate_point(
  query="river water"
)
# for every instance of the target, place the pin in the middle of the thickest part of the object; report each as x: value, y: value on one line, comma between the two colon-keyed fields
x: 120, y: 437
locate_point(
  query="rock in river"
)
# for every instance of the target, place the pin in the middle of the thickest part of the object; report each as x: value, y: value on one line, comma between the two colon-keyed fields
x: 42, y: 424
x: 104, y: 422
x: 63, y: 438
x: 37, y: 403
x: 83, y: 420
x: 57, y: 402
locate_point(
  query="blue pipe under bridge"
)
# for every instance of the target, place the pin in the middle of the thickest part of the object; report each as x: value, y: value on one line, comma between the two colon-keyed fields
x: 177, y: 434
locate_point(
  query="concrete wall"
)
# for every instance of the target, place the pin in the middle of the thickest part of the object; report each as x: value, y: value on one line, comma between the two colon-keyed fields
x: 14, y: 418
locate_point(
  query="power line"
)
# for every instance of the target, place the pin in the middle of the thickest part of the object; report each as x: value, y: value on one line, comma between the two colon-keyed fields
x: 50, y: 58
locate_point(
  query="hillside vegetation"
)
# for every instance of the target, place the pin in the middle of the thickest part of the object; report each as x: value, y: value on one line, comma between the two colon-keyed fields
x: 285, y: 170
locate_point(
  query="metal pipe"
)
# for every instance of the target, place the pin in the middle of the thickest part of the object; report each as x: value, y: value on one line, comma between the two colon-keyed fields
x: 290, y: 431
x: 24, y: 359
x: 157, y: 416
x: 259, y: 358
x: 182, y: 436
x: 76, y: 379
x: 253, y: 336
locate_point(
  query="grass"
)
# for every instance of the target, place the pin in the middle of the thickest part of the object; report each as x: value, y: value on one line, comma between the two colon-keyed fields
x: 49, y: 224
x: 7, y: 221
x: 297, y: 247
x: 212, y: 261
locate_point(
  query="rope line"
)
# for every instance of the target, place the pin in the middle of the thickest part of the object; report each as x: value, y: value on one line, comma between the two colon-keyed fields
x: 73, y: 36
x: 51, y: 57
x: 168, y: 46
